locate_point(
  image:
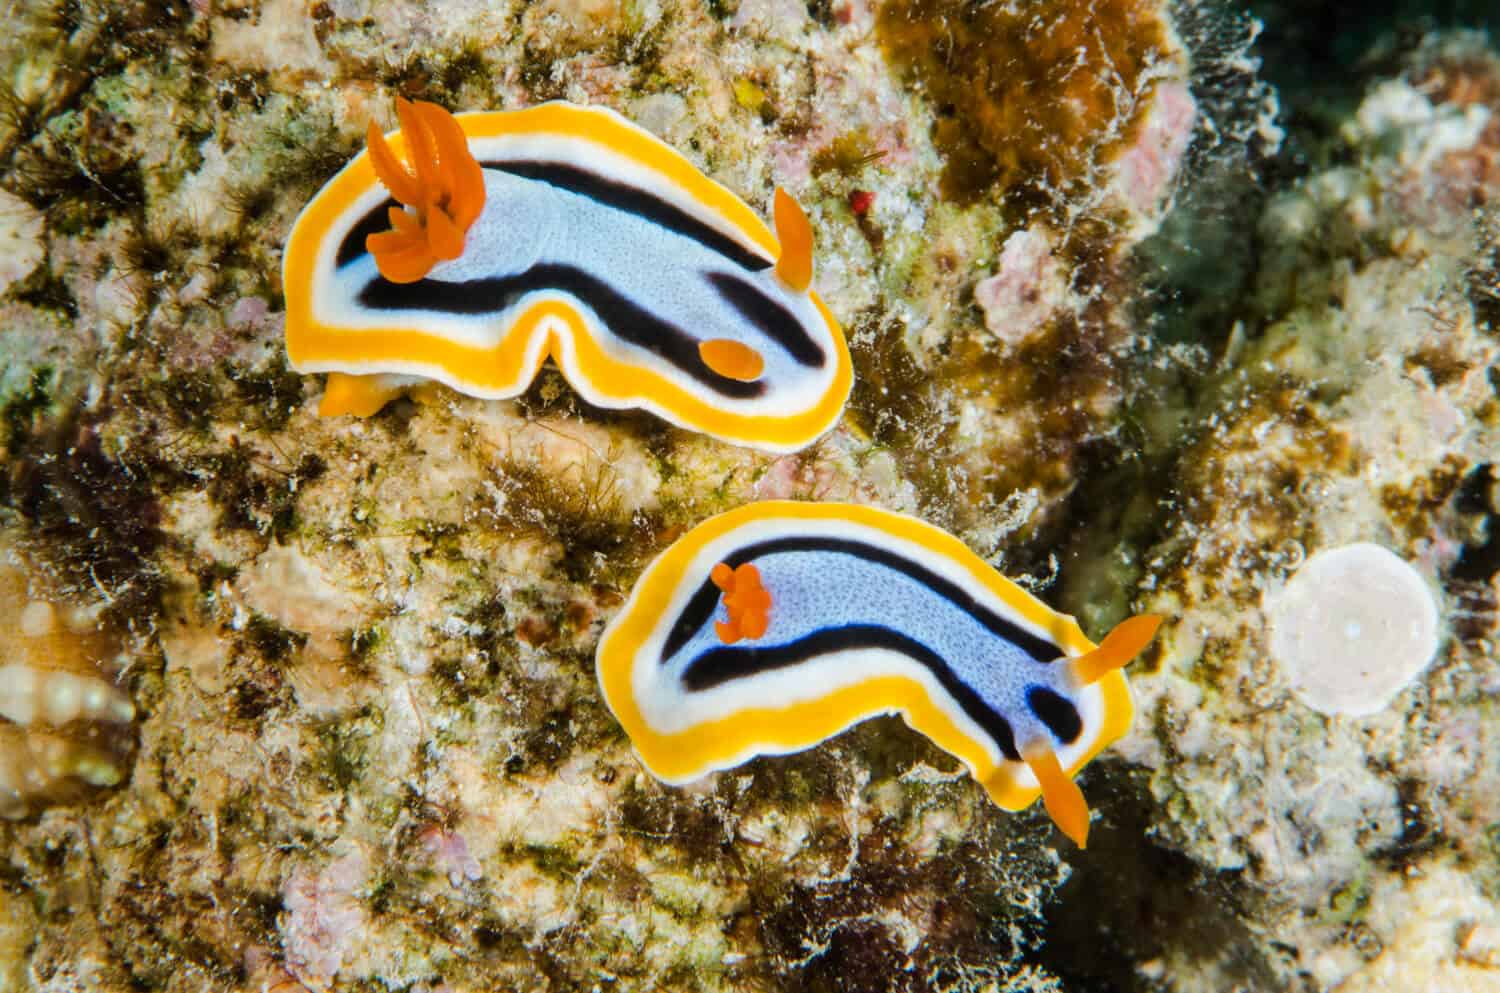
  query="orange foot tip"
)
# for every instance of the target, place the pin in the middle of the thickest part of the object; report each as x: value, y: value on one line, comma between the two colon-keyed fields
x: 748, y: 603
x: 1061, y: 796
x: 443, y: 197
x: 360, y: 396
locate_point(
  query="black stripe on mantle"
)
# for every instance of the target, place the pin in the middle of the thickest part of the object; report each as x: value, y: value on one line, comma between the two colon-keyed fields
x: 698, y: 610
x: 727, y: 663
x: 625, y: 319
x: 608, y: 193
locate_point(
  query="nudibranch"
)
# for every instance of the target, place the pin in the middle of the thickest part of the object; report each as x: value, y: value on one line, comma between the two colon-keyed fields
x: 568, y: 232
x: 767, y: 629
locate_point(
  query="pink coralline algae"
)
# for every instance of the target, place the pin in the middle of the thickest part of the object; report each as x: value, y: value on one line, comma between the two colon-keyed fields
x: 451, y: 853
x: 1026, y: 289
x: 324, y: 916
x: 1145, y: 170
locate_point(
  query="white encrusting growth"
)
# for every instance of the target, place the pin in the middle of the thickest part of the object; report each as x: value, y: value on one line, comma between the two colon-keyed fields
x: 1353, y: 628
x: 37, y: 619
x: 21, y: 239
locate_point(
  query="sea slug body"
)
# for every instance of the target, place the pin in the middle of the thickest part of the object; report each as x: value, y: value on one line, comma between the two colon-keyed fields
x: 767, y: 629
x: 568, y: 232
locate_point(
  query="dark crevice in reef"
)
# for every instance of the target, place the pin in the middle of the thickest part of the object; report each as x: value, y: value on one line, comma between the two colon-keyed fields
x: 1320, y: 55
x: 1480, y: 495
x: 95, y: 510
x: 1197, y: 269
x: 1471, y: 579
x: 1311, y: 51
x: 1109, y: 523
x: 1132, y: 908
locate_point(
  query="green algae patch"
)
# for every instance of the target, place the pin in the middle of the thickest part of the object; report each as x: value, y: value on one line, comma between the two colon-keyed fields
x: 1029, y: 98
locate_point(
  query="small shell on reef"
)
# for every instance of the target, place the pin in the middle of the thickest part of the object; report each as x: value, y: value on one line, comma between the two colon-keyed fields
x: 65, y: 727
x: 40, y: 696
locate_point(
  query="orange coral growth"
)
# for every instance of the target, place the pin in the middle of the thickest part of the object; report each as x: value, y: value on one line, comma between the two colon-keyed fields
x: 1039, y: 92
x: 443, y: 197
x: 748, y: 603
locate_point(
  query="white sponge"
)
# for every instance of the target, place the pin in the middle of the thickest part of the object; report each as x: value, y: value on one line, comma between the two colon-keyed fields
x: 1353, y: 628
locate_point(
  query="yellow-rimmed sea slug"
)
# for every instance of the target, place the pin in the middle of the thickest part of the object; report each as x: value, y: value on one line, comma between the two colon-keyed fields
x: 561, y: 231
x: 770, y: 628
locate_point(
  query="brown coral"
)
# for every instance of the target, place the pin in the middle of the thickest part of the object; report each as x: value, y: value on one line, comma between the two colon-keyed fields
x: 1029, y: 98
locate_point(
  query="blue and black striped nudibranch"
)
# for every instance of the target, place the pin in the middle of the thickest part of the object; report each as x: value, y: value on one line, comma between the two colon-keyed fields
x: 567, y: 232
x: 770, y: 628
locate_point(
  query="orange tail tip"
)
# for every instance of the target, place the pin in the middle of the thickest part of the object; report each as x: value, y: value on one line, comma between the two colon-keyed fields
x: 446, y: 192
x: 795, y: 266
x: 732, y: 359
x: 748, y: 603
x: 1117, y: 650
x: 357, y: 395
x: 1061, y: 796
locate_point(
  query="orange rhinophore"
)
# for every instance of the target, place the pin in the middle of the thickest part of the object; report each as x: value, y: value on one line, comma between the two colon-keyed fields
x: 443, y: 197
x: 748, y: 603
x: 1128, y: 639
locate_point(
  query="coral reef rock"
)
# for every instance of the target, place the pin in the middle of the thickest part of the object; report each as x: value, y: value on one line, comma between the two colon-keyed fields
x: 300, y: 703
x: 1352, y: 405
